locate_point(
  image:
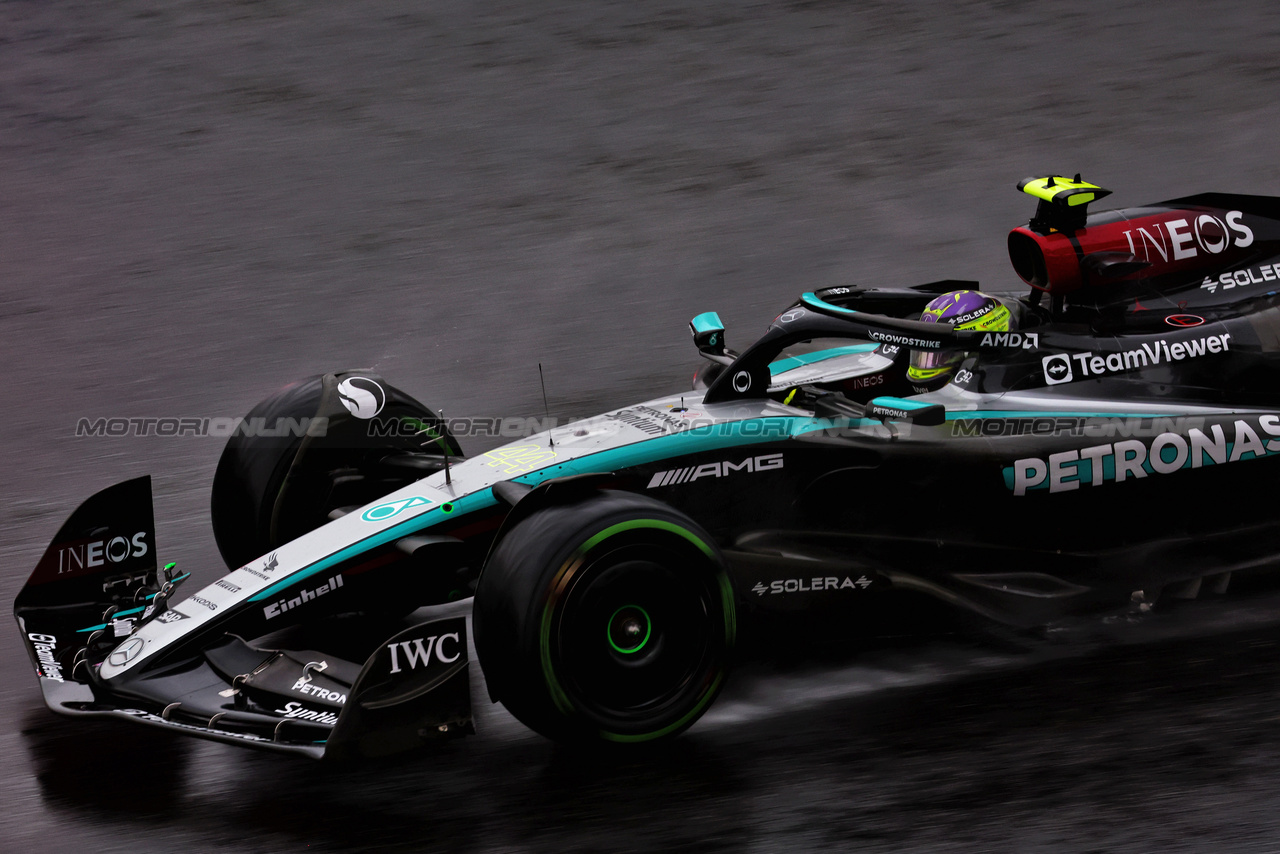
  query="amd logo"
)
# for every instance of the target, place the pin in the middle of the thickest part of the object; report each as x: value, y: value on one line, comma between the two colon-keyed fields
x: 1023, y: 340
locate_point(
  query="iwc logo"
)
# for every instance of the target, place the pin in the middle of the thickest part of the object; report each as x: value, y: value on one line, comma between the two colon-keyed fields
x: 362, y: 397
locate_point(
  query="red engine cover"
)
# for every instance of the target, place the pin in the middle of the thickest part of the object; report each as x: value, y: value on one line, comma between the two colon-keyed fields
x: 1126, y: 245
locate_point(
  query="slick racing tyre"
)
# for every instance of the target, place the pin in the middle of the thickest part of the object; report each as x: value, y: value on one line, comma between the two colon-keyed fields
x: 610, y: 618
x: 318, y: 445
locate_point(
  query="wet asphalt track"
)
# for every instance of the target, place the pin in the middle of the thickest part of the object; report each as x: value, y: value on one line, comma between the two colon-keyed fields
x: 201, y: 201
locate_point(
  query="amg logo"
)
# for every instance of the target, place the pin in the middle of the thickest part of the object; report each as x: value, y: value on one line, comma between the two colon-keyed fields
x: 765, y: 462
x: 418, y: 651
x: 275, y: 609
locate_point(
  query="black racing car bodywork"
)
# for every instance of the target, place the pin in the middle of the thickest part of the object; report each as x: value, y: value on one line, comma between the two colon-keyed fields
x: 1117, y: 432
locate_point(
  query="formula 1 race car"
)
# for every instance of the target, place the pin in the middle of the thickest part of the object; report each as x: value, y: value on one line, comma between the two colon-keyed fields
x: 1092, y: 446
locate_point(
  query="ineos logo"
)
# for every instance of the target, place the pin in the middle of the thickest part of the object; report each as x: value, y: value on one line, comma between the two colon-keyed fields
x: 1184, y: 320
x: 741, y: 382
x: 115, y: 550
x: 1179, y: 238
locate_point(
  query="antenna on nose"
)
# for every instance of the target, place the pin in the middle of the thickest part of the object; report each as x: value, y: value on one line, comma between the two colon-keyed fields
x: 546, y: 410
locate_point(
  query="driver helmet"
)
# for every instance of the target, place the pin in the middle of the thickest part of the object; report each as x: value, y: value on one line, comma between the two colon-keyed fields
x: 964, y: 310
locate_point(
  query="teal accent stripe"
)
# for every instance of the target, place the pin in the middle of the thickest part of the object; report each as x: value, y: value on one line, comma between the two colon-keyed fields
x: 811, y: 299
x: 118, y: 614
x: 900, y: 403
x: 709, y: 438
x: 1023, y: 413
x: 712, y: 437
x: 792, y: 362
x: 468, y: 503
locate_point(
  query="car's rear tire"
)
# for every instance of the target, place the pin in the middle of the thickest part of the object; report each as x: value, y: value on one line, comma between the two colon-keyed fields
x: 610, y: 618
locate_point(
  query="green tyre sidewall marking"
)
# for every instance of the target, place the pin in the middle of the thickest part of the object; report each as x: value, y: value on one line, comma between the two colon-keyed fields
x: 693, y: 714
x: 558, y: 694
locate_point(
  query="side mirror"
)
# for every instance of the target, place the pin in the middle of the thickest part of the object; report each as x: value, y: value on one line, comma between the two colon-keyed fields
x: 708, y: 337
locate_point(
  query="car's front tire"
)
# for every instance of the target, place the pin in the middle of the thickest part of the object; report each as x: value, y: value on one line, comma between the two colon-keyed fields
x: 610, y: 618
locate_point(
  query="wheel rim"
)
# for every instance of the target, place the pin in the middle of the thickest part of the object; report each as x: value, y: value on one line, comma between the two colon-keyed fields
x: 633, y: 642
x: 629, y: 630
